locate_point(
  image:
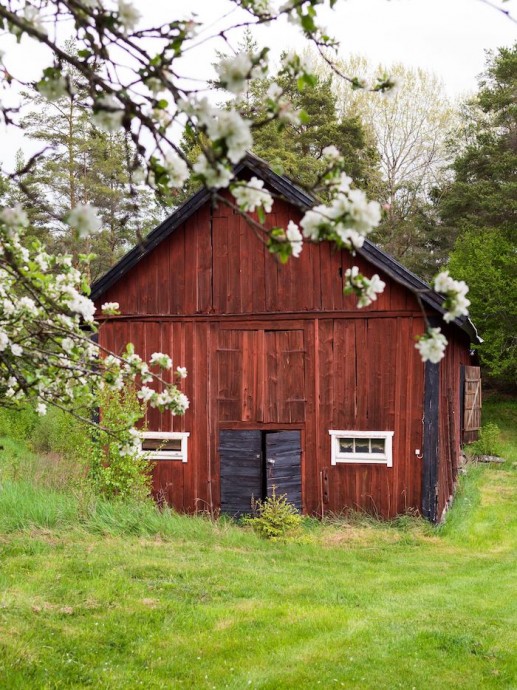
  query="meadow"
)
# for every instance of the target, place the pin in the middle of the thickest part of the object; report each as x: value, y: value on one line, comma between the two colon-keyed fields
x: 109, y: 595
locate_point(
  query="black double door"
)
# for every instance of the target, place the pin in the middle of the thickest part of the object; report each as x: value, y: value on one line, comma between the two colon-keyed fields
x: 256, y: 463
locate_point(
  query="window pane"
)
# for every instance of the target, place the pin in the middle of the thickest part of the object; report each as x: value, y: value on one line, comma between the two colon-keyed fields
x: 378, y: 445
x: 362, y: 445
x: 162, y: 444
x: 346, y: 445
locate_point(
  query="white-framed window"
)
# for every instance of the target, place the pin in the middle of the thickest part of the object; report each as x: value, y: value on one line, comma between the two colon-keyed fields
x: 165, y: 445
x: 362, y: 447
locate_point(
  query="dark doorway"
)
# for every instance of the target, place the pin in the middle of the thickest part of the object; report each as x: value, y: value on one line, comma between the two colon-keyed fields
x: 255, y: 462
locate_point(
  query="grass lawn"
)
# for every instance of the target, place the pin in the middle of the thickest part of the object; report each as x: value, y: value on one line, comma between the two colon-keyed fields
x: 93, y: 595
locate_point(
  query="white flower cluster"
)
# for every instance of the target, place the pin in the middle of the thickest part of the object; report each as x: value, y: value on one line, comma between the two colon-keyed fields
x: 110, y: 308
x: 294, y: 236
x: 133, y: 444
x: 366, y: 289
x: 431, y: 345
x: 281, y: 107
x: 84, y: 219
x: 128, y: 15
x: 46, y: 353
x: 229, y: 127
x: 176, y: 169
x: 251, y: 195
x: 455, y: 292
x: 235, y: 72
x: 108, y: 113
x: 230, y: 135
x: 347, y: 219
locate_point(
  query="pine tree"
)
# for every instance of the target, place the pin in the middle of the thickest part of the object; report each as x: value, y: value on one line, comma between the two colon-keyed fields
x: 83, y: 165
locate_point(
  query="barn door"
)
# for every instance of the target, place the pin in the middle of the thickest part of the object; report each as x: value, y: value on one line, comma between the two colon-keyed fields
x: 253, y: 462
x: 472, y: 404
x: 240, y: 455
x: 283, y: 465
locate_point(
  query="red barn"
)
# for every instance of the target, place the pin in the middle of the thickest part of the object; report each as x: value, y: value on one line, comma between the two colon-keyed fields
x: 291, y: 385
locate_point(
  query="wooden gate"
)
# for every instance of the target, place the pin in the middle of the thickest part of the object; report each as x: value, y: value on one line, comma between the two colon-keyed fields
x: 471, y: 404
x: 253, y: 462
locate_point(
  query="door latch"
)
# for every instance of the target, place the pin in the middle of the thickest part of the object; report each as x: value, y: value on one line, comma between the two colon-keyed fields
x: 271, y: 461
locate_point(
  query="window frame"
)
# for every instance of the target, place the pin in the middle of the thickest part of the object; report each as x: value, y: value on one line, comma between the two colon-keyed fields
x: 181, y: 454
x: 339, y: 457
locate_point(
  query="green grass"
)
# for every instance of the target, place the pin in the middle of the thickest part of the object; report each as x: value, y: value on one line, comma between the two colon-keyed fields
x: 100, y: 595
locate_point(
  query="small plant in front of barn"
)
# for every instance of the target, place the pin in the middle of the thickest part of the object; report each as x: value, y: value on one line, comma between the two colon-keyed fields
x: 489, y: 441
x: 274, y: 517
x: 119, y: 470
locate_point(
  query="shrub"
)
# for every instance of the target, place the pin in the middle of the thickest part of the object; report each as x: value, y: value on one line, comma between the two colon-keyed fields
x: 488, y: 442
x: 274, y: 517
x: 113, y: 472
x: 18, y: 423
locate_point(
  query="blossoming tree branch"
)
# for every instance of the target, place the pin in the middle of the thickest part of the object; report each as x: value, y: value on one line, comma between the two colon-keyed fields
x: 133, y: 81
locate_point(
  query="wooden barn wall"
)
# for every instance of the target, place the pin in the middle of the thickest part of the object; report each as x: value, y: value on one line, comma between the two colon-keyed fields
x: 313, y: 375
x: 449, y: 438
x: 214, y: 264
x: 276, y: 347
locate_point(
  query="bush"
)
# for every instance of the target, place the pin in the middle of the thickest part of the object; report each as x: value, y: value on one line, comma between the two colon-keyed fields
x: 114, y: 473
x: 489, y: 441
x: 18, y: 423
x: 274, y: 517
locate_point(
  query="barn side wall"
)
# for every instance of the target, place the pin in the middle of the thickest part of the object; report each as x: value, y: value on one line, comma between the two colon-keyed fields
x: 278, y: 347
x: 450, y: 423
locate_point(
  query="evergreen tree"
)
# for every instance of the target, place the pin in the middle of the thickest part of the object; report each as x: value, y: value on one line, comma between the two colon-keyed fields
x: 480, y: 208
x: 83, y: 165
x: 296, y: 147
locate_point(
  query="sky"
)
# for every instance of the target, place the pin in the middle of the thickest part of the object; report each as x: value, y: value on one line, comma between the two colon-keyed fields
x: 446, y: 37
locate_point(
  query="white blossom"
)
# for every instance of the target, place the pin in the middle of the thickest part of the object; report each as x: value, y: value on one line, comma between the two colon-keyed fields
x: 145, y: 393
x: 161, y: 359
x: 234, y: 72
x: 108, y: 114
x: 4, y: 340
x: 229, y: 126
x: 27, y: 304
x: 365, y: 288
x: 182, y: 372
x: 182, y: 403
x: 128, y: 15
x: 67, y: 344
x: 274, y: 91
x: 177, y: 170
x: 16, y: 349
x: 84, y: 219
x: 82, y: 305
x: 456, y: 302
x: 331, y: 153
x: 215, y: 176
x: 294, y: 236
x: 110, y: 307
x: 251, y: 195
x: 431, y: 346
x: 14, y: 217
x: 41, y: 409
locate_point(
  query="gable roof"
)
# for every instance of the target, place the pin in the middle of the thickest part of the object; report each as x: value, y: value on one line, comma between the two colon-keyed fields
x: 300, y: 198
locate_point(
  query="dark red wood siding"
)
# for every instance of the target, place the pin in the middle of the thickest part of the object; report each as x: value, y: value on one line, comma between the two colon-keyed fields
x: 450, y: 406
x: 278, y: 347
